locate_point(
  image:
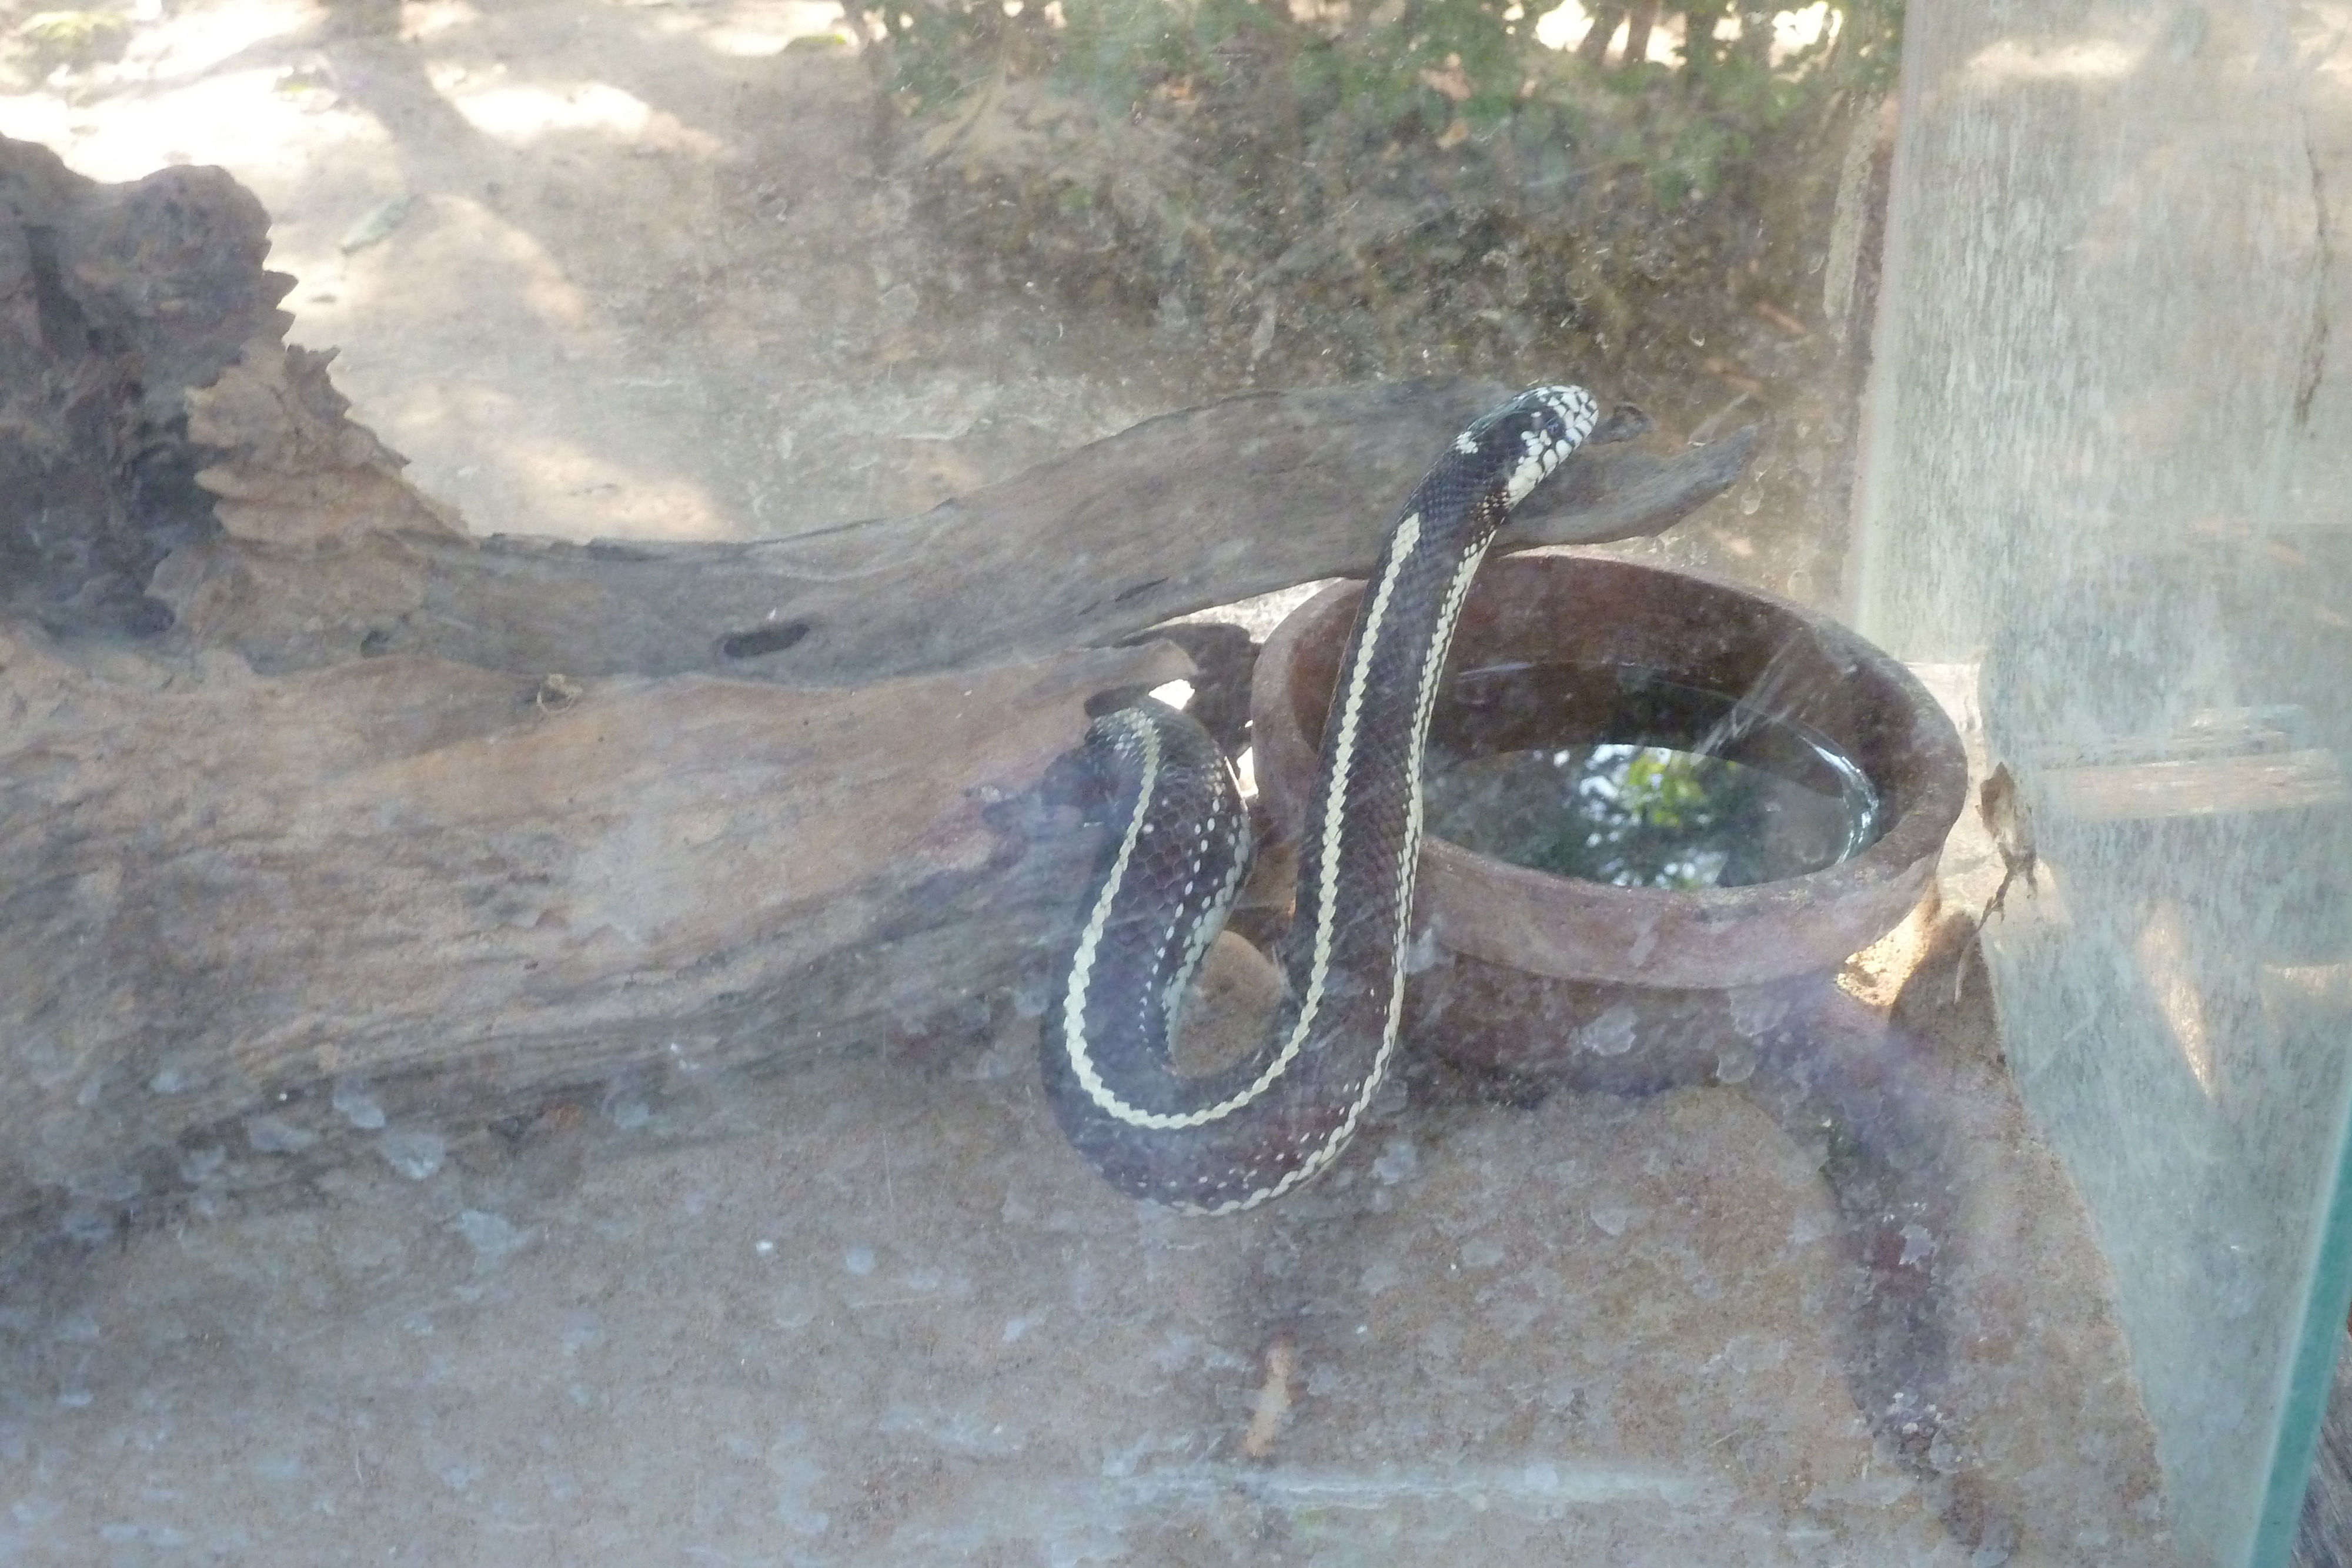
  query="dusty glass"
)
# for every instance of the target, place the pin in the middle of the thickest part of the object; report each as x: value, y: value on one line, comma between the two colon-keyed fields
x: 2110, y: 422
x: 568, y: 972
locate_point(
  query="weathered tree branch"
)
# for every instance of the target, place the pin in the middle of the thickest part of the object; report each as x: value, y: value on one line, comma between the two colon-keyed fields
x: 235, y: 884
x: 1192, y: 509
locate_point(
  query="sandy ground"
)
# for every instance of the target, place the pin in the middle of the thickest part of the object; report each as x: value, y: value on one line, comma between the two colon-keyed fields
x: 633, y: 269
x: 606, y: 270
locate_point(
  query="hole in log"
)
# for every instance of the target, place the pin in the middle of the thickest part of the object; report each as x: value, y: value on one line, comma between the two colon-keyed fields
x: 1129, y: 595
x: 766, y: 640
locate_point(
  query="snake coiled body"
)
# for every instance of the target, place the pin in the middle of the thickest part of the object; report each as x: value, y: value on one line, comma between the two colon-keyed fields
x: 1182, y: 848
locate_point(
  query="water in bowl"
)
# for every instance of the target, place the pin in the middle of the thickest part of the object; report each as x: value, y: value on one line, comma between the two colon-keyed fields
x: 1615, y: 774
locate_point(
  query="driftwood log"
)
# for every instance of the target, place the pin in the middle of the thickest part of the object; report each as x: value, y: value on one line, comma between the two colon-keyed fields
x: 299, y: 781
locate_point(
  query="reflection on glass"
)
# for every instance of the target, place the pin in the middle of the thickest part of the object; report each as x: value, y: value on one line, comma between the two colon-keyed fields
x: 2109, y: 489
x: 471, y: 1003
x: 1677, y: 787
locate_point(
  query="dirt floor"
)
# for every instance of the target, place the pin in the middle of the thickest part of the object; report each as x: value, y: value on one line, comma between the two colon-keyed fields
x: 606, y: 270
x: 644, y: 270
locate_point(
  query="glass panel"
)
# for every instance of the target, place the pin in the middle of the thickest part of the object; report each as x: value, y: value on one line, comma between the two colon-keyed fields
x: 564, y: 958
x: 2108, y: 480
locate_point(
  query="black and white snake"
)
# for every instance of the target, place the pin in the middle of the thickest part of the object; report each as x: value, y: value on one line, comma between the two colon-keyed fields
x: 1182, y: 849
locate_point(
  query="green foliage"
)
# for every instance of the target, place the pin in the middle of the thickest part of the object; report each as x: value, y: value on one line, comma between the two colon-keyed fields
x: 1662, y: 789
x: 1403, y: 182
x: 1407, y: 66
x: 1635, y: 816
x: 51, y: 38
x: 1640, y: 826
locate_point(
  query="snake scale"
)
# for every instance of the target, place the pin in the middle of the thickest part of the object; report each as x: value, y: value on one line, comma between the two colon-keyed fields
x: 1181, y: 847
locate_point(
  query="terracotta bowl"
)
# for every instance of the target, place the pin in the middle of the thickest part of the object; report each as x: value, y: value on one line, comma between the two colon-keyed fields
x: 1556, y: 982
x: 1696, y: 631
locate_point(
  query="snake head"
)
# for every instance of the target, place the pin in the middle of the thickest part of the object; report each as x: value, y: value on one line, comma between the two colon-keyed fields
x: 1540, y: 428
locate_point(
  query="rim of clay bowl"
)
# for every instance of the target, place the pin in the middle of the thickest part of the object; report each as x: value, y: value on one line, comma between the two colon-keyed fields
x: 1686, y: 626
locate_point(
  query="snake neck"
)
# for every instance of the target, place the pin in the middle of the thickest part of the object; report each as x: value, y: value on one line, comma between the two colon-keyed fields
x: 1362, y: 830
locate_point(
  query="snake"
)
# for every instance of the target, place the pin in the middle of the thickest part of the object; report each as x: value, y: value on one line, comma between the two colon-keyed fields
x: 1181, y: 848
